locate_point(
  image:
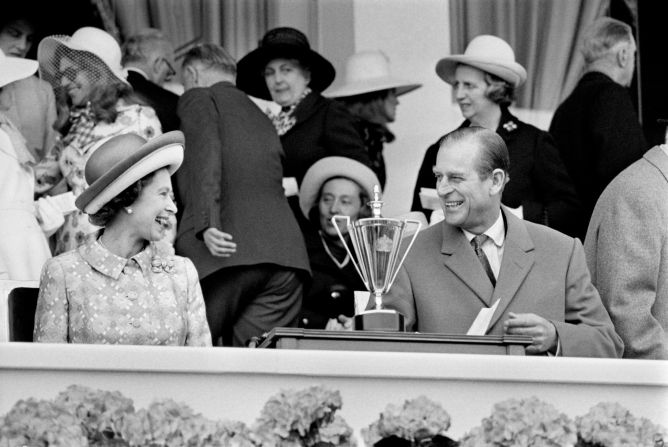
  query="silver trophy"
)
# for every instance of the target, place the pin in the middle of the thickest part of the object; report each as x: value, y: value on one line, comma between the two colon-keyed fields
x: 377, y: 242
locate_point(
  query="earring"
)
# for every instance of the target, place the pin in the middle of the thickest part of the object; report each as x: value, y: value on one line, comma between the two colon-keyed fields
x: 128, y: 210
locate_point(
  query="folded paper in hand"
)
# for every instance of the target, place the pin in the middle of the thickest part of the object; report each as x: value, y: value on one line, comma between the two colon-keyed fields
x: 64, y: 202
x: 481, y: 322
x: 429, y: 199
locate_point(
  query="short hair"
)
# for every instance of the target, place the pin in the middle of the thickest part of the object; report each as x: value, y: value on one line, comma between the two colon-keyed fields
x: 499, y: 91
x: 367, y: 106
x: 493, y: 152
x: 124, y: 199
x: 211, y: 56
x: 601, y: 36
x: 138, y: 48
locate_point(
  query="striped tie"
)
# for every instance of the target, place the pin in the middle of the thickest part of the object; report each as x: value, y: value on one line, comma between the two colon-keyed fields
x: 477, y: 242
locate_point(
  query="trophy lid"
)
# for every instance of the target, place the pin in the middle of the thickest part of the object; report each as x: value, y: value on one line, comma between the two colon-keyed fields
x: 376, y: 204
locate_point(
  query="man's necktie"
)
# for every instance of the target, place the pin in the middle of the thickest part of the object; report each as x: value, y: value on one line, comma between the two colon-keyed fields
x: 477, y: 242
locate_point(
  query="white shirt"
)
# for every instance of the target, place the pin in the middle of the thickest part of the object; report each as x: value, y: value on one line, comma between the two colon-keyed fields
x: 493, y: 245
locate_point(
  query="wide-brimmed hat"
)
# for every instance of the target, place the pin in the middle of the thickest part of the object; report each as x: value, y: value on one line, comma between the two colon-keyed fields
x: 487, y: 53
x: 120, y: 161
x: 330, y: 167
x: 369, y: 71
x: 15, y: 68
x: 282, y: 43
x: 89, y: 44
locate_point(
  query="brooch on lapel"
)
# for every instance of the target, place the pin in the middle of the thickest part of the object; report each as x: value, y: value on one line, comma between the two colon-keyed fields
x: 509, y: 126
x: 159, y: 264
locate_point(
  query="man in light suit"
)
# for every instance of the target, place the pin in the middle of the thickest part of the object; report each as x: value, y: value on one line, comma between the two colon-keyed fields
x: 627, y: 253
x: 539, y: 275
x: 237, y: 226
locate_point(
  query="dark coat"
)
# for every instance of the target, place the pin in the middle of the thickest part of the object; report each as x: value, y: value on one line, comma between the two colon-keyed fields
x: 323, y: 128
x: 538, y: 178
x: 161, y: 100
x: 597, y: 131
x: 231, y: 180
x: 331, y: 293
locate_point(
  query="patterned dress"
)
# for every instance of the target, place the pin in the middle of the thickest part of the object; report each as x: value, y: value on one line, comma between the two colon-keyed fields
x: 72, y: 159
x: 90, y: 295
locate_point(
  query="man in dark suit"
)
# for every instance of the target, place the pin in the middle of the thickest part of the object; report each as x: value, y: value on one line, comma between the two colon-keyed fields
x: 237, y: 226
x: 481, y: 254
x: 149, y: 58
x: 596, y: 128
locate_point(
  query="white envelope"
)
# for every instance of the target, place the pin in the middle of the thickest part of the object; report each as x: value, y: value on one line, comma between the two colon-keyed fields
x: 481, y: 322
x: 64, y: 202
x: 290, y: 186
x: 429, y: 199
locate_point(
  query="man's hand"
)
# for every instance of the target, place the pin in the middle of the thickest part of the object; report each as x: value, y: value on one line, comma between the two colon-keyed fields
x: 219, y: 243
x: 543, y: 331
x: 342, y: 323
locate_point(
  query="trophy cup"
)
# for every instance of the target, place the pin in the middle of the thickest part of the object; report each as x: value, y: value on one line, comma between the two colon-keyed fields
x: 377, y: 242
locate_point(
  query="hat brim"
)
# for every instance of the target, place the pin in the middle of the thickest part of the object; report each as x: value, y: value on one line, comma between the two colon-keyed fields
x: 48, y: 48
x: 372, y: 85
x: 16, y: 68
x: 330, y: 167
x: 512, y: 72
x: 165, y: 151
x: 250, y: 69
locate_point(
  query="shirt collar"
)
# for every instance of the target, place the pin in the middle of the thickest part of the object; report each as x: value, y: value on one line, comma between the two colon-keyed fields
x: 109, y: 264
x: 497, y: 232
x: 138, y: 71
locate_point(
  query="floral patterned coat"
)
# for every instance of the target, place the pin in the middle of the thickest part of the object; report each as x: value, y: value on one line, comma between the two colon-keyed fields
x: 72, y: 160
x: 90, y: 295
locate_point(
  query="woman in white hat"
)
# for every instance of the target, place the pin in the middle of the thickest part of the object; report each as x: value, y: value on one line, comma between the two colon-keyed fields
x: 125, y: 286
x: 285, y: 69
x: 332, y: 186
x: 23, y: 246
x: 371, y: 95
x: 484, y: 80
x: 85, y: 71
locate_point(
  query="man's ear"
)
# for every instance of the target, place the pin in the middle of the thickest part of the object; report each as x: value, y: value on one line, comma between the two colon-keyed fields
x: 499, y: 180
x: 191, y: 73
x: 623, y: 55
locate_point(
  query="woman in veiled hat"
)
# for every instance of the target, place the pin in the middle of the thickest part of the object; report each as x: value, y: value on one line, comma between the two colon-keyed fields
x: 332, y: 186
x: 484, y: 80
x: 86, y: 74
x: 125, y: 286
x: 371, y: 95
x: 284, y: 69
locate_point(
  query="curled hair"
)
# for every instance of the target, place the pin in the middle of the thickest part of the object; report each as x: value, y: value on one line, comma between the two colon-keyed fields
x: 498, y: 90
x: 493, y: 152
x: 603, y: 35
x: 368, y: 106
x: 211, y: 56
x: 124, y: 199
x: 365, y: 210
x: 139, y: 47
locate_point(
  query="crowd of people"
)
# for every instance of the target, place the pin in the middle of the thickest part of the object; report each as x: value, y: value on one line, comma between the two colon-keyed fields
x: 197, y: 218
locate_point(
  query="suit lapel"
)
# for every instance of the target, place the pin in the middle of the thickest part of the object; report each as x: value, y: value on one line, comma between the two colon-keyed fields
x: 518, y: 258
x: 458, y: 256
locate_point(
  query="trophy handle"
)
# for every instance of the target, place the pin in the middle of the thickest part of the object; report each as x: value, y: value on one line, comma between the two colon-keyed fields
x: 418, y: 225
x: 343, y: 240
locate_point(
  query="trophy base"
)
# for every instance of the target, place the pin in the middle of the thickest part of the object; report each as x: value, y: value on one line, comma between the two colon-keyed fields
x: 379, y: 320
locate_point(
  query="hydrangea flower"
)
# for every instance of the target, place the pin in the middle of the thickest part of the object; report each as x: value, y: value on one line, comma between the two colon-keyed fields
x: 302, y: 418
x: 416, y: 420
x: 608, y: 424
x: 523, y: 423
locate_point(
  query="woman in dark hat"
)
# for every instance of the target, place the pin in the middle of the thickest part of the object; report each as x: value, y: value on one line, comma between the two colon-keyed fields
x: 286, y: 70
x: 484, y: 80
x: 126, y: 286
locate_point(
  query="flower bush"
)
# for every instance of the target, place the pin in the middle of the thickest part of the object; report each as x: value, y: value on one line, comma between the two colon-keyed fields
x: 523, y: 423
x: 302, y: 418
x: 416, y: 420
x: 609, y: 424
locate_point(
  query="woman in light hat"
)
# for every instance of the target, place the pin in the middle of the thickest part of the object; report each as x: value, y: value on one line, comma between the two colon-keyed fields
x: 332, y: 186
x: 484, y: 80
x: 85, y: 71
x: 23, y: 246
x: 370, y: 93
x: 125, y: 286
x: 284, y: 69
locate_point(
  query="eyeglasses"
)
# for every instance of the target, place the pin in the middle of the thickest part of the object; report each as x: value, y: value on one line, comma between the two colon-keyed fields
x: 170, y: 69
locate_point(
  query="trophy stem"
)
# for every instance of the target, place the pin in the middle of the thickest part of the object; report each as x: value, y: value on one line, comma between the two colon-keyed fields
x: 378, y: 296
